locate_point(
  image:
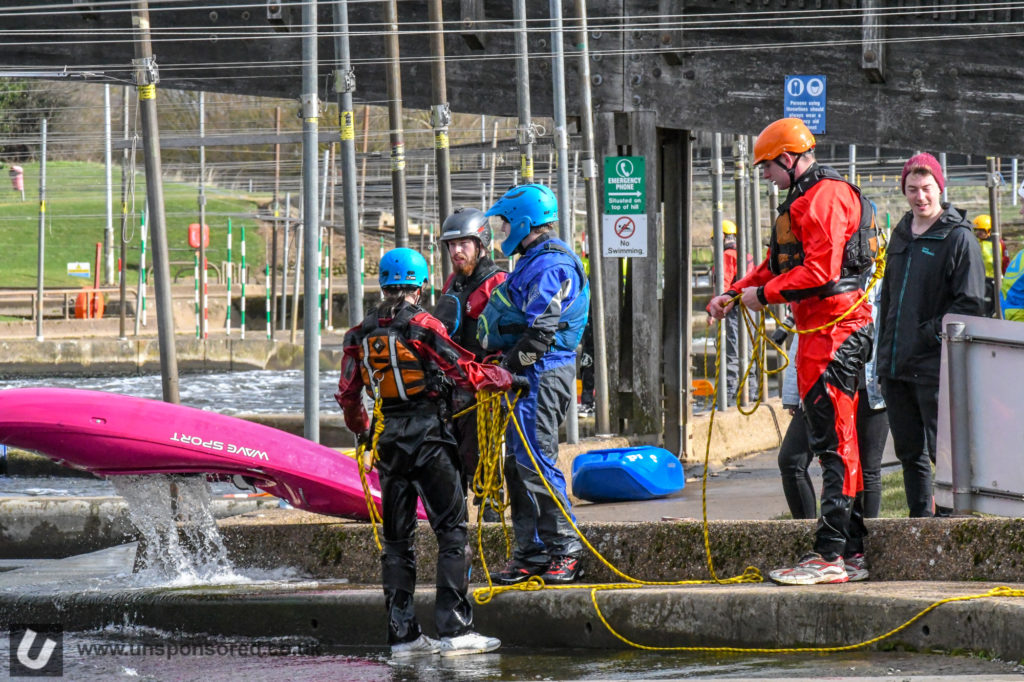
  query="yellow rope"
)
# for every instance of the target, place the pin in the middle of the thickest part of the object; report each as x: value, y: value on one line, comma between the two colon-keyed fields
x: 1001, y: 591
x: 364, y: 467
x: 482, y: 595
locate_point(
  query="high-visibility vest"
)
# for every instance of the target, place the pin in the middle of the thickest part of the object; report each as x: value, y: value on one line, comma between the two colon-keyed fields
x: 1011, y: 297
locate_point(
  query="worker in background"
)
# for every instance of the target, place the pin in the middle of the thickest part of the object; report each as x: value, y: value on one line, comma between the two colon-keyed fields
x: 467, y: 236
x: 404, y: 358
x: 1012, y: 295
x: 983, y: 231
x: 732, y: 319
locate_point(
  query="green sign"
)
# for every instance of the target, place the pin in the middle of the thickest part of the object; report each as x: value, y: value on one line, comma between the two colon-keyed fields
x: 625, y: 185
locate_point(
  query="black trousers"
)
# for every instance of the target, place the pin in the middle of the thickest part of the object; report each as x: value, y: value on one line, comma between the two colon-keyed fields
x: 418, y: 460
x: 795, y: 457
x: 913, y: 420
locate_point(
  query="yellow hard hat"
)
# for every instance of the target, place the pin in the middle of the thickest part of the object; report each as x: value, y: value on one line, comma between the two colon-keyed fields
x: 728, y: 227
x: 983, y: 223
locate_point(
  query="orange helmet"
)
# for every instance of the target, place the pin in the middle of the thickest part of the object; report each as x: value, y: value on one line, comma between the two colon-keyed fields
x: 785, y: 135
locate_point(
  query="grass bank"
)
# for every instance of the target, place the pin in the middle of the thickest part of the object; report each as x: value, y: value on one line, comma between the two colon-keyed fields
x: 75, y: 220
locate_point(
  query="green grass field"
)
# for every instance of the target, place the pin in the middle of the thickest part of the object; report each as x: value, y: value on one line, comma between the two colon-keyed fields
x: 76, y: 220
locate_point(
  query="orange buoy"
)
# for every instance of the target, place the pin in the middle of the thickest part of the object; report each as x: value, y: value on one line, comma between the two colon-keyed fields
x: 89, y: 305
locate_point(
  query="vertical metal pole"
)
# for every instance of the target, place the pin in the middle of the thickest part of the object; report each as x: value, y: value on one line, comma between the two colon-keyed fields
x: 742, y: 239
x: 345, y: 83
x: 562, y: 150
x: 41, y: 258
x: 995, y: 237
x: 494, y: 169
x: 959, y: 416
x: 719, y: 282
x: 204, y: 330
x: 394, y: 85
x: 590, y: 179
x: 146, y: 79
x: 124, y: 217
x: 310, y: 134
x: 440, y: 119
x: 423, y: 209
x: 1013, y: 176
x: 277, y: 223
x: 283, y: 316
x: 323, y: 197
x: 756, y: 248
x: 945, y: 174
x: 297, y: 280
x: 773, y: 210
x: 362, y: 171
x: 853, y: 164
x: 525, y: 133
x: 227, y: 302
x: 108, y: 233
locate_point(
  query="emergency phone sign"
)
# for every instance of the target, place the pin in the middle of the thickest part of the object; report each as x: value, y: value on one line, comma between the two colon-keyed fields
x: 624, y: 223
x: 805, y: 99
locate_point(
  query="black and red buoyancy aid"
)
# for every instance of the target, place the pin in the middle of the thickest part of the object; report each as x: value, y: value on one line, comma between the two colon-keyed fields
x: 388, y: 362
x: 787, y: 252
x: 459, y: 311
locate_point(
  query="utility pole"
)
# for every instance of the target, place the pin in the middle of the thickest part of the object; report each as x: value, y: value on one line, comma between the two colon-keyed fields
x: 310, y: 214
x: 204, y: 330
x: 525, y: 132
x: 276, y: 224
x: 718, y: 283
x: 742, y: 240
x: 108, y: 233
x: 565, y: 226
x: 440, y: 119
x: 41, y: 258
x: 993, y: 182
x: 394, y: 83
x: 602, y: 420
x: 124, y: 216
x: 146, y: 78
x: 344, y: 84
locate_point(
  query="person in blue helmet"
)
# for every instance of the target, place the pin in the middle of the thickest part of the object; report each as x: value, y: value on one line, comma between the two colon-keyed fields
x: 536, y: 318
x: 403, y: 357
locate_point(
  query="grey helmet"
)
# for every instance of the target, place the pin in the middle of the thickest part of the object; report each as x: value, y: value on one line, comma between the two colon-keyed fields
x: 467, y: 222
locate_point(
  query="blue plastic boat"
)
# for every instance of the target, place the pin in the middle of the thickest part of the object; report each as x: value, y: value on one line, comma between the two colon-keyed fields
x: 623, y: 474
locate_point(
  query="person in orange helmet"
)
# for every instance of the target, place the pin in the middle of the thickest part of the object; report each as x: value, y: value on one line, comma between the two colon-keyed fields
x: 822, y: 245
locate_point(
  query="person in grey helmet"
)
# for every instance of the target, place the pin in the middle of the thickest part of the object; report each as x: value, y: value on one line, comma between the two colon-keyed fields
x: 467, y: 236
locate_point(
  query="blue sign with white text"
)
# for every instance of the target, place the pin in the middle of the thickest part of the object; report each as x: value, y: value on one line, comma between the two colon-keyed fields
x: 805, y: 99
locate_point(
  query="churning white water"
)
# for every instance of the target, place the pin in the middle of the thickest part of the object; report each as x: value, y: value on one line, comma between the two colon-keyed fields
x: 181, y: 544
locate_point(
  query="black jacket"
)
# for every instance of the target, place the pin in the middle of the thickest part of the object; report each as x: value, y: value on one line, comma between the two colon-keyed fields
x: 939, y: 272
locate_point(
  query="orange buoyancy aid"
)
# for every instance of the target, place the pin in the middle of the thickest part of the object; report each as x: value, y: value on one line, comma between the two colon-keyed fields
x: 388, y: 364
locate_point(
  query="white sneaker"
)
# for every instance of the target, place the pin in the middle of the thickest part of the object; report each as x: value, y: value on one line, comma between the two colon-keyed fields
x: 469, y: 643
x: 421, y: 646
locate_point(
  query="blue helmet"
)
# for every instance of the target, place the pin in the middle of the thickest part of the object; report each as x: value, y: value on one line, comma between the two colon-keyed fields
x: 524, y: 207
x: 402, y: 268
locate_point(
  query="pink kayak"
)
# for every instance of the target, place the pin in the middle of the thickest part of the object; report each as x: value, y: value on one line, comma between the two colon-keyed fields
x: 110, y: 434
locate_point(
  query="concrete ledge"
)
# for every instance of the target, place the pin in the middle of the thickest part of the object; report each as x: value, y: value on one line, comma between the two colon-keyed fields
x: 706, y: 616
x: 105, y: 356
x: 898, y: 549
x: 53, y: 527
